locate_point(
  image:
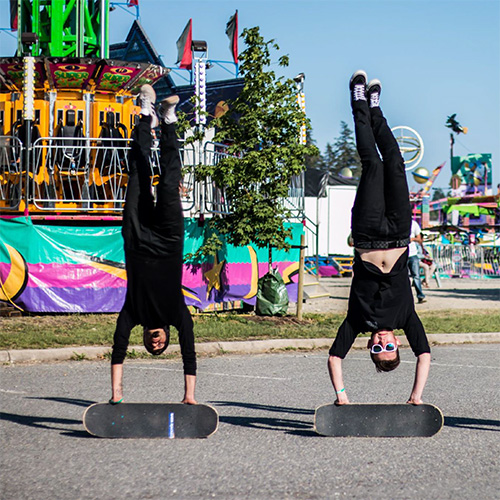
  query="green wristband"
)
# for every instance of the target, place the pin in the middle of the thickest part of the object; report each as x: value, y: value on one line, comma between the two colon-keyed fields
x: 341, y: 390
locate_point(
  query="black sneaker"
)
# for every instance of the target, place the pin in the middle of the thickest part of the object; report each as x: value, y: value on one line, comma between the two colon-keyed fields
x: 357, y: 86
x: 373, y: 90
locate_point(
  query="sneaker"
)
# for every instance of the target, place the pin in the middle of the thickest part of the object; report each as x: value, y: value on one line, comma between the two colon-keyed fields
x: 422, y: 300
x: 373, y: 92
x: 357, y: 86
x: 167, y: 109
x: 147, y: 99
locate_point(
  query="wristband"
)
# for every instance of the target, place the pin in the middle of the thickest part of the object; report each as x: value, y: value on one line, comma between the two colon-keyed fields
x: 341, y: 390
x: 115, y: 402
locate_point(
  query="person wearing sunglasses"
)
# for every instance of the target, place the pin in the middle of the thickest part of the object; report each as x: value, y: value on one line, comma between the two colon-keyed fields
x: 380, y: 299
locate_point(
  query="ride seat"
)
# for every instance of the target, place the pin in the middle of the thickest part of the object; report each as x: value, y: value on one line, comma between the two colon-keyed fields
x: 70, y: 158
x: 109, y: 170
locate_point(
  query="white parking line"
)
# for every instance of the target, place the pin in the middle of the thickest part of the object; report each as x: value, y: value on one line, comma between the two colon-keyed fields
x: 462, y: 366
x: 465, y: 348
x: 7, y: 391
x: 207, y: 373
x: 434, y: 363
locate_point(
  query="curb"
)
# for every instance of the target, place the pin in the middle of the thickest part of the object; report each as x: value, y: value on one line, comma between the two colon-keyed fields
x: 240, y: 347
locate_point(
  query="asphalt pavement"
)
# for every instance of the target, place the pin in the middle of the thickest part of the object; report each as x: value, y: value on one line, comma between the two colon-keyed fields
x: 452, y: 294
x: 265, y: 447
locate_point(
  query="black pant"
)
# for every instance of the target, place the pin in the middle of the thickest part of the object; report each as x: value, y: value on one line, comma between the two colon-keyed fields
x: 154, y: 238
x: 154, y: 229
x: 381, y: 215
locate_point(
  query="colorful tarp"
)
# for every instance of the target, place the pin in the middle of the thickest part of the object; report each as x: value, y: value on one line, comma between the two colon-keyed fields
x: 75, y: 268
x: 470, y: 209
x: 473, y: 173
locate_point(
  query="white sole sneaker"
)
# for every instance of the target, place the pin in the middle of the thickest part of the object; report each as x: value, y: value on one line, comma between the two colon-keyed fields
x: 360, y: 72
x: 147, y: 99
x: 167, y: 109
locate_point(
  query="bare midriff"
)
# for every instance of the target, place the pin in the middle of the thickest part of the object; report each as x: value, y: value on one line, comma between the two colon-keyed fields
x: 383, y: 259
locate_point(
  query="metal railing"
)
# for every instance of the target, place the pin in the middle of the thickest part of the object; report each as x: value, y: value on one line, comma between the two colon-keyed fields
x: 12, y: 176
x: 74, y: 174
x: 466, y: 261
x: 295, y: 201
x: 215, y: 199
x: 80, y: 174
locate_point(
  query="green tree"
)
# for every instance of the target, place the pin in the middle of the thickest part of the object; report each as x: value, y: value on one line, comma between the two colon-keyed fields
x: 438, y: 194
x: 312, y: 161
x: 328, y: 158
x: 345, y: 153
x: 263, y: 129
x: 342, y: 153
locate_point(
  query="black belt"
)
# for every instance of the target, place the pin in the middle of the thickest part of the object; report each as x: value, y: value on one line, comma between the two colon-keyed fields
x: 382, y: 245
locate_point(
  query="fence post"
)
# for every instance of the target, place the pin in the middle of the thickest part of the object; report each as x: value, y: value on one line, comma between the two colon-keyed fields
x: 300, y: 291
x: 482, y: 261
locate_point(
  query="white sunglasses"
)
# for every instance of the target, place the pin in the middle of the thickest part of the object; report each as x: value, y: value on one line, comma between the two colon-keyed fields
x: 378, y: 348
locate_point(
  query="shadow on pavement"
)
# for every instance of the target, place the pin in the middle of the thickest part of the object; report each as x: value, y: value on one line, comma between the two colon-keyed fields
x: 45, y: 422
x: 71, y: 401
x: 277, y: 424
x: 255, y: 406
x: 469, y: 293
x: 290, y: 426
x: 339, y: 298
x: 472, y: 423
x: 79, y: 434
x: 39, y: 422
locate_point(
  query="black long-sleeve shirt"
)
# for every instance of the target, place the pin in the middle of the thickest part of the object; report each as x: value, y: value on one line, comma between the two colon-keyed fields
x: 380, y: 301
x: 154, y: 235
x: 154, y: 300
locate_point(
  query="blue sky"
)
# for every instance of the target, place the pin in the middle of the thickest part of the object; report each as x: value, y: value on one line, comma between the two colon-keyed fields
x: 434, y: 58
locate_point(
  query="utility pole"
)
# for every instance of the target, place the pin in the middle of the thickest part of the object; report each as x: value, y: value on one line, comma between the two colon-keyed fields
x: 200, y: 89
x: 27, y: 40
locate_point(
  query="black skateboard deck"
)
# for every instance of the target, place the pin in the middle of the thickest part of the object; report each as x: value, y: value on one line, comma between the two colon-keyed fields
x: 150, y: 420
x: 378, y: 420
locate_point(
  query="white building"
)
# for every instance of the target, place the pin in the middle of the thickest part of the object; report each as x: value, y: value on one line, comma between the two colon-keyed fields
x: 330, y: 213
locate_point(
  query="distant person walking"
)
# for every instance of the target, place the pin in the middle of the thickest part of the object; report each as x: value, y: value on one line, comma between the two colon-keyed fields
x: 429, y: 267
x: 415, y: 252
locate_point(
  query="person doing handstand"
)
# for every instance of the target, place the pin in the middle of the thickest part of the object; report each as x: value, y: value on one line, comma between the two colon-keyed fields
x: 380, y: 299
x: 154, y: 238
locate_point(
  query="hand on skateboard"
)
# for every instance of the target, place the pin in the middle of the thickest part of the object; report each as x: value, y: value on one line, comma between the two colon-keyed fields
x: 378, y: 420
x: 150, y: 420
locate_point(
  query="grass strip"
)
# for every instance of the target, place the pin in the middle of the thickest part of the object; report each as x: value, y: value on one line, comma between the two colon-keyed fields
x: 44, y: 331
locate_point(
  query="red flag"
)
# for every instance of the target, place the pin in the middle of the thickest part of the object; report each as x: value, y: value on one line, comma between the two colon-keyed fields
x: 184, y: 53
x: 13, y: 15
x: 133, y: 3
x: 232, y: 33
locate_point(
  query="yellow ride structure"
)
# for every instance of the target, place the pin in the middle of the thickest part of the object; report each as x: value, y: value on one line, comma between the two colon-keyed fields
x: 66, y: 116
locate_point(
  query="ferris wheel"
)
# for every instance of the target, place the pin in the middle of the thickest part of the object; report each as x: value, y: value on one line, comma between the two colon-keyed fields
x: 411, y: 145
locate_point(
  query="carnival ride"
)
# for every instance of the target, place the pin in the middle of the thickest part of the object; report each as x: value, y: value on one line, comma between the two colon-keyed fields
x: 66, y: 110
x: 459, y: 230
x: 66, y: 114
x: 410, y: 144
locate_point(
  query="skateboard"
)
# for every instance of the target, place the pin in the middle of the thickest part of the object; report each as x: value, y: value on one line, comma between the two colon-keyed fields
x: 150, y: 420
x: 378, y: 420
